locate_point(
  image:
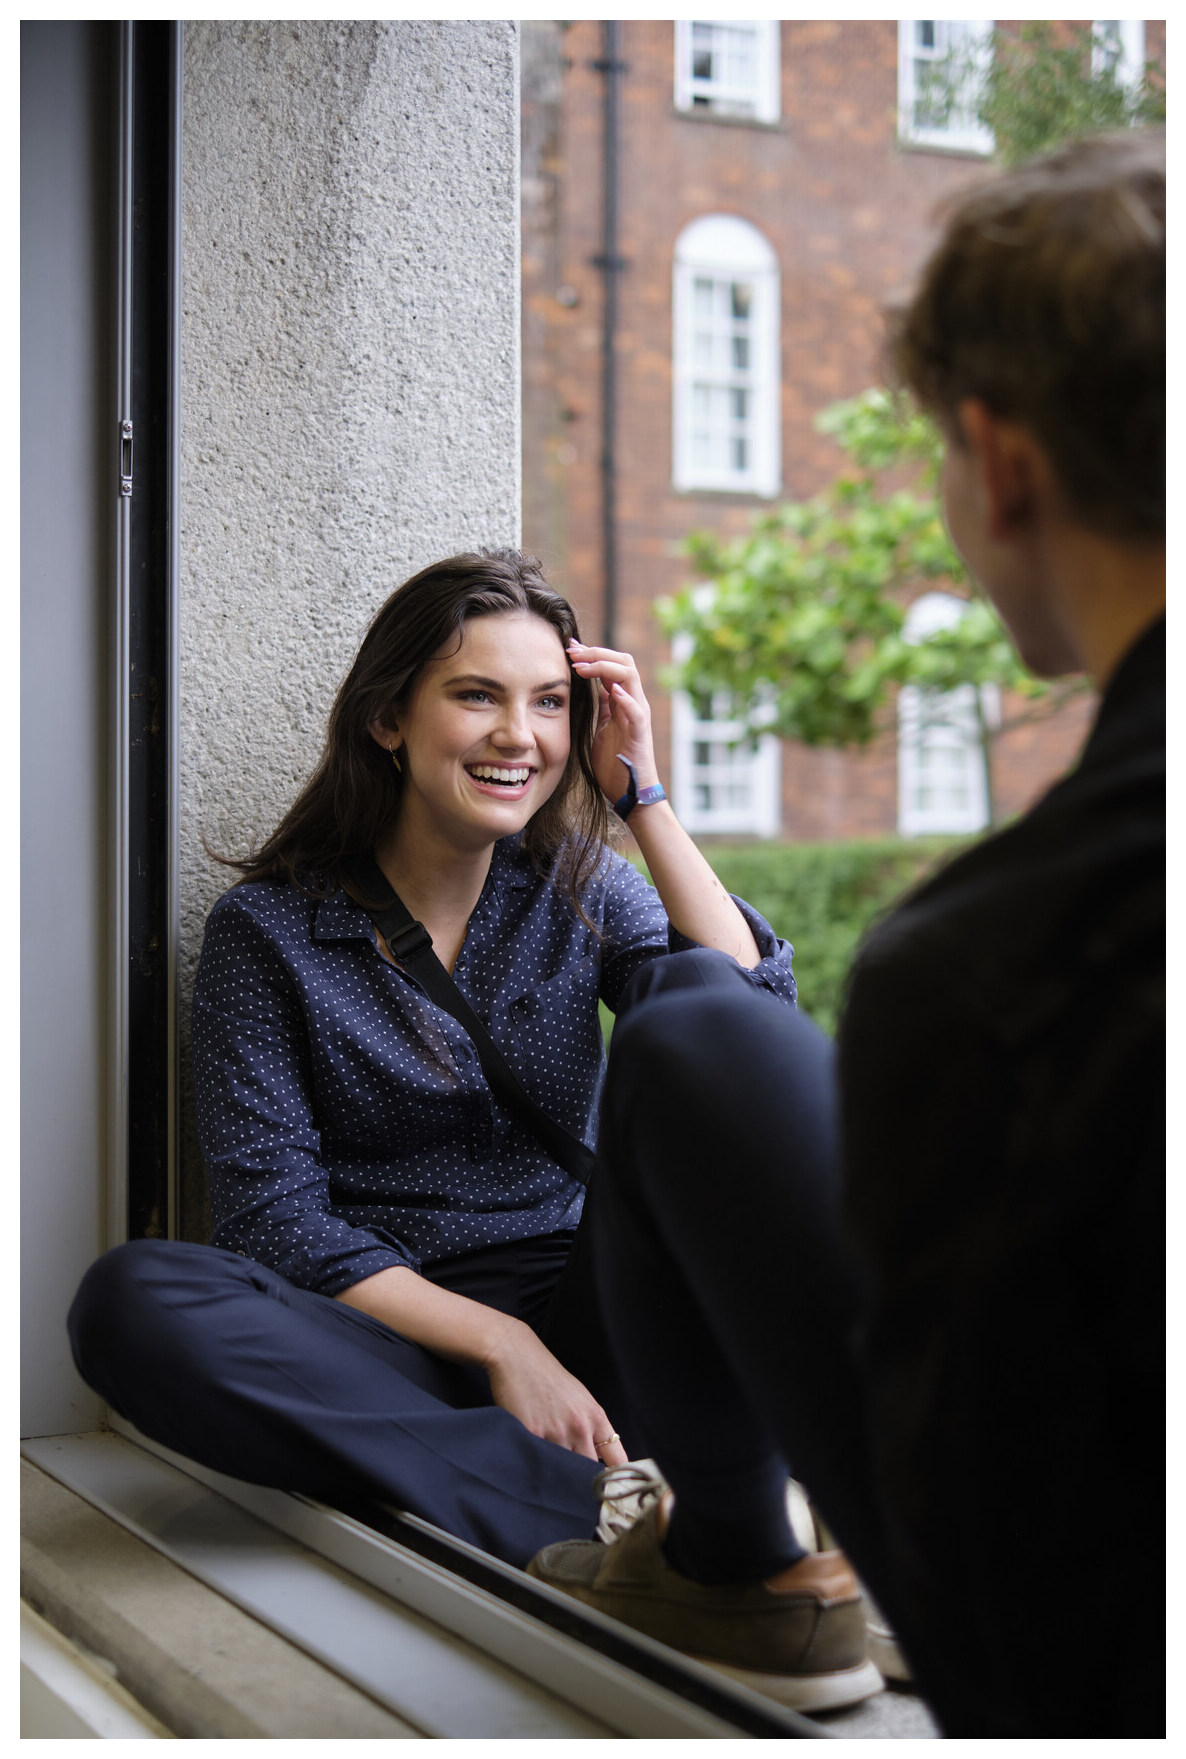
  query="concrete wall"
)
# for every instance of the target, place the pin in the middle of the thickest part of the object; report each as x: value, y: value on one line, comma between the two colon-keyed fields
x: 350, y: 359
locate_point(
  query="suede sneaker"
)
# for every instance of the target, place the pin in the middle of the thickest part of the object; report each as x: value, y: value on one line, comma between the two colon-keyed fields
x: 885, y: 1652
x: 628, y: 1491
x: 799, y: 1638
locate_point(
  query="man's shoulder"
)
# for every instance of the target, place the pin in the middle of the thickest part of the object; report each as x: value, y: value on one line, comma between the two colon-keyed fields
x: 1062, y: 900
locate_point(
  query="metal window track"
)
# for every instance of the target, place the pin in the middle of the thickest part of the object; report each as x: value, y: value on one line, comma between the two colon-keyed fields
x: 456, y: 1642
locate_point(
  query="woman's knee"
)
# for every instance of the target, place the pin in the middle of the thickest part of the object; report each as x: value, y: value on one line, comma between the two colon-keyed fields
x: 123, y: 1301
x: 697, y: 968
x: 680, y: 1037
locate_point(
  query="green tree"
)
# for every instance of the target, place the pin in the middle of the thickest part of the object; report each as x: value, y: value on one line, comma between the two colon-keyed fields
x: 1045, y: 84
x: 800, y: 623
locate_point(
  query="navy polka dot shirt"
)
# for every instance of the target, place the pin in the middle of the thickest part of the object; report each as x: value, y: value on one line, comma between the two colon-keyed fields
x: 345, y: 1119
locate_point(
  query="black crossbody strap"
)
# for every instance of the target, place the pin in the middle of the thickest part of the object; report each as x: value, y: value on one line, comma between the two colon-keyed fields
x: 410, y: 945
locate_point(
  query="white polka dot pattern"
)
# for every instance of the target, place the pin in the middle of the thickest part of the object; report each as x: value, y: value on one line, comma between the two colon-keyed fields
x: 345, y: 1119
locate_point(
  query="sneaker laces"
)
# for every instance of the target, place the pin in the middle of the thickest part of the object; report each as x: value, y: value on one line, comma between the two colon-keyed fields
x: 628, y: 1491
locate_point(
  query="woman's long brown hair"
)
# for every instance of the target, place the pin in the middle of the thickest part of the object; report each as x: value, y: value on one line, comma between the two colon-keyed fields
x: 354, y: 794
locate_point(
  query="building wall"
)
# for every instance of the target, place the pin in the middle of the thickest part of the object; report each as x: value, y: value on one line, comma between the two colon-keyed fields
x: 350, y: 360
x: 850, y: 214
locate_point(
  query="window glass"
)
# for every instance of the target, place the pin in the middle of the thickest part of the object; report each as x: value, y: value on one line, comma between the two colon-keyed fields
x: 1119, y: 43
x: 725, y: 371
x: 728, y: 67
x: 941, y: 780
x: 940, y: 66
x: 723, y: 778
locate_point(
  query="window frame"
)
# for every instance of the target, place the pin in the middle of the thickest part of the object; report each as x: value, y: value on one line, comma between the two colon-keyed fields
x: 767, y: 86
x: 973, y: 138
x: 957, y: 722
x: 760, y: 765
x: 951, y: 714
x: 724, y: 247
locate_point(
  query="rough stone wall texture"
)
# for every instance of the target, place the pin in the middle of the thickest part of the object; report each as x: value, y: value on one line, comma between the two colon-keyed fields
x: 350, y: 358
x: 850, y: 214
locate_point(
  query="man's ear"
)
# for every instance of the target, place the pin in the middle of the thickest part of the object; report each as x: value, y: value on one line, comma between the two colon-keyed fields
x: 388, y: 737
x: 1011, y: 465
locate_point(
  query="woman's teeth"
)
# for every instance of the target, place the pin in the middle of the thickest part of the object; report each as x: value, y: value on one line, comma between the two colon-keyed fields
x: 484, y: 772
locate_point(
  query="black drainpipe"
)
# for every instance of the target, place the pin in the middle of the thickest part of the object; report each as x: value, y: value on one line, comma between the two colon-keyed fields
x: 611, y: 264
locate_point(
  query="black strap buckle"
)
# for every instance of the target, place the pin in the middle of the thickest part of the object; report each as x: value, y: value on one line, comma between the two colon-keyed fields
x: 407, y: 941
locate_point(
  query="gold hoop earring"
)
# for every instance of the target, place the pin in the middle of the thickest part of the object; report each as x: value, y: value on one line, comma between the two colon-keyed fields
x: 395, y: 760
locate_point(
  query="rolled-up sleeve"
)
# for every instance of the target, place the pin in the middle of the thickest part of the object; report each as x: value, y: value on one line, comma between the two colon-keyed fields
x: 269, y: 1189
x: 636, y: 930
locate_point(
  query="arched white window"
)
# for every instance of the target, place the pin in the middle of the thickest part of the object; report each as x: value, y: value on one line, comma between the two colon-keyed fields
x: 727, y: 67
x: 943, y: 46
x: 726, y: 370
x: 941, y: 780
x: 724, y: 780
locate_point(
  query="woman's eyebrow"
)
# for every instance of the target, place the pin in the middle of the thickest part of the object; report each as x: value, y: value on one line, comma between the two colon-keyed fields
x: 496, y: 684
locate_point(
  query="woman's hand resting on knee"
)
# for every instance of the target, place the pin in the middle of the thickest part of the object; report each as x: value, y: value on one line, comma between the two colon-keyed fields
x: 527, y: 1380
x: 525, y: 1377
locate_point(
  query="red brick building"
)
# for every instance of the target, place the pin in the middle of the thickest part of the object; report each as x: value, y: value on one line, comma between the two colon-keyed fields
x: 776, y: 187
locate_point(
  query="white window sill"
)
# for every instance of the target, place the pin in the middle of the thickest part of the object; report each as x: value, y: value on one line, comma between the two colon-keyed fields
x: 701, y: 113
x: 949, y: 149
x: 448, y: 1638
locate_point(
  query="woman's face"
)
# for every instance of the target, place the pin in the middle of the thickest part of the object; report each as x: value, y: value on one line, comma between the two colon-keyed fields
x: 484, y: 737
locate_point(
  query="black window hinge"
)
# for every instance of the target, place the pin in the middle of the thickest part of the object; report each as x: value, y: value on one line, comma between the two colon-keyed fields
x: 125, y: 458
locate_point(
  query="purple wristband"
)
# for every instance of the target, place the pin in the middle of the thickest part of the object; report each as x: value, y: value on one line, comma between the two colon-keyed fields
x: 636, y: 796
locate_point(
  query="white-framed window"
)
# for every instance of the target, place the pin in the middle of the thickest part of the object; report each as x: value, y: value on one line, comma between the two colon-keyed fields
x: 1119, y: 43
x: 931, y: 51
x: 941, y: 780
x: 725, y: 382
x: 728, y: 67
x: 724, y: 779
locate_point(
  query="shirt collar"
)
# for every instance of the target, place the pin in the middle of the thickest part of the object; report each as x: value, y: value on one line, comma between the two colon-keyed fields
x: 510, y: 865
x: 339, y: 918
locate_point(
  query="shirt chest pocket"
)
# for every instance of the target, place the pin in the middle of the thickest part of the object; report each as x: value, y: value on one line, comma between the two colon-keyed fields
x: 564, y: 999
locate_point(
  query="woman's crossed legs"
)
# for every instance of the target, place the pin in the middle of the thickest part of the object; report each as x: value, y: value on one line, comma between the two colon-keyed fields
x: 222, y: 1360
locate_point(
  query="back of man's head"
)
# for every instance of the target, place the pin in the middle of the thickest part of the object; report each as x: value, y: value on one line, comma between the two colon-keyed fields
x: 1046, y: 299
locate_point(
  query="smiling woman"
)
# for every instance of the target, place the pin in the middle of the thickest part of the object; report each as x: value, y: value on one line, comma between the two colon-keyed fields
x: 397, y: 1302
x: 482, y: 743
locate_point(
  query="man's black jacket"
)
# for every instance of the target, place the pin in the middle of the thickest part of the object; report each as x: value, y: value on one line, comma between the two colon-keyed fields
x: 1002, y: 1073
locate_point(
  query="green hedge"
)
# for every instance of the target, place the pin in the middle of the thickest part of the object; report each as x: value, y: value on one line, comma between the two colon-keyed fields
x: 822, y: 897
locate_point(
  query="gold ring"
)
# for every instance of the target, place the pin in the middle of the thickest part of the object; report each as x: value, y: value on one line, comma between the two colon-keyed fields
x: 604, y: 1444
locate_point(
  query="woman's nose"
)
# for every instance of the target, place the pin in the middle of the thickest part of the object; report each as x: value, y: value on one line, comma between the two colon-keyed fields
x: 514, y: 725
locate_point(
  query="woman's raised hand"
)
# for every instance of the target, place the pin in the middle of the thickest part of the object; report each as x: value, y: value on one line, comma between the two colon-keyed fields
x: 624, y: 718
x: 527, y: 1380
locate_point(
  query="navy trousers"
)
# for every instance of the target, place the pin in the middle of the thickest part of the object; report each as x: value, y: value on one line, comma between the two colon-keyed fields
x: 222, y: 1360
x: 226, y: 1362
